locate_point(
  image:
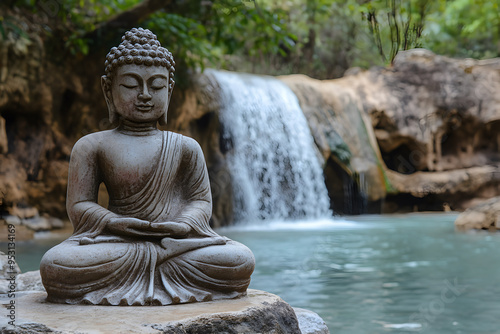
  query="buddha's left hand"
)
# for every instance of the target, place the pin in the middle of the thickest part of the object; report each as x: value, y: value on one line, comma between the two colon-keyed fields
x: 171, y: 229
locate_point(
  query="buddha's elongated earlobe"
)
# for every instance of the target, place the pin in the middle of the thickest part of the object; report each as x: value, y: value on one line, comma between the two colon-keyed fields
x: 106, y: 89
x: 163, y: 119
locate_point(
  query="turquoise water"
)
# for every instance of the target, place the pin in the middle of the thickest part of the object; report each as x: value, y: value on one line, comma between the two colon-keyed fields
x: 383, y: 274
x: 371, y: 274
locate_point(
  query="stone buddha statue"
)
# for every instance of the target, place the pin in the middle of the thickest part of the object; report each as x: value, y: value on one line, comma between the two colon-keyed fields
x: 153, y: 245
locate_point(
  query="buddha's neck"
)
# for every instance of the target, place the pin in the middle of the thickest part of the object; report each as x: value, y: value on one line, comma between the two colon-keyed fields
x: 136, y: 128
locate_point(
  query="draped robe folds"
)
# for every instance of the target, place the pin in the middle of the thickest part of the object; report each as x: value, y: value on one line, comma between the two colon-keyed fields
x: 97, y: 267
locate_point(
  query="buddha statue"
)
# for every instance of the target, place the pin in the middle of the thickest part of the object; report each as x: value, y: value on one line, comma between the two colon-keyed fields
x: 153, y: 244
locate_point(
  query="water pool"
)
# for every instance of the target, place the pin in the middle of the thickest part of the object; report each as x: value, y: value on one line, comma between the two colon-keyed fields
x: 371, y: 274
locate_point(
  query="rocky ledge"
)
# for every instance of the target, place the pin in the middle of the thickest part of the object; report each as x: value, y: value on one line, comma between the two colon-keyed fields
x: 258, y: 312
x: 484, y: 216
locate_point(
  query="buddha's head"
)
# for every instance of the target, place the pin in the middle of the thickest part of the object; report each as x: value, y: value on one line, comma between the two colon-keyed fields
x: 139, y: 79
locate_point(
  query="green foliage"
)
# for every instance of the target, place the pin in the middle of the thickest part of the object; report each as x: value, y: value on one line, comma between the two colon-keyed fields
x: 185, y: 37
x: 203, y: 34
x: 247, y: 25
x: 330, y: 36
x: 321, y: 38
x: 334, y: 35
x: 83, y: 16
x: 229, y: 26
x: 396, y: 24
x: 465, y: 28
x: 76, y: 17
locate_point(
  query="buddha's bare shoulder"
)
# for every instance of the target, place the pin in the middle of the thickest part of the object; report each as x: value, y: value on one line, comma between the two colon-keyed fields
x: 189, y: 145
x: 93, y: 142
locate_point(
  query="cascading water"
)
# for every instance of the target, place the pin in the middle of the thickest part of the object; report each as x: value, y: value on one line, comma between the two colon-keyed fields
x: 275, y: 170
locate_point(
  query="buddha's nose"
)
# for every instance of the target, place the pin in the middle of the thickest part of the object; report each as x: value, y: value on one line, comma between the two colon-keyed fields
x: 144, y: 93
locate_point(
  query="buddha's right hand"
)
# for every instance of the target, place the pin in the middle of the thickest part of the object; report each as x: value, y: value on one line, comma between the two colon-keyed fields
x: 129, y: 226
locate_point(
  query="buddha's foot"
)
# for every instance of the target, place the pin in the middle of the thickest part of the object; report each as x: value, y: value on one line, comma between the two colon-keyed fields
x: 101, y: 239
x: 178, y: 246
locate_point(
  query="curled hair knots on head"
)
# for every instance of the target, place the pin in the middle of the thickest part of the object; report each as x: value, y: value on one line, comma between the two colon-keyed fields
x: 140, y: 46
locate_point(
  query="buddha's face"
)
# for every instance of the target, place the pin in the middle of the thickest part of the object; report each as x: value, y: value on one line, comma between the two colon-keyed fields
x: 139, y: 93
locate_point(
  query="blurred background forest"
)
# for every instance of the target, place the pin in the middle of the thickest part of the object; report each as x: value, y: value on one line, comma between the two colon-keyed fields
x: 321, y: 38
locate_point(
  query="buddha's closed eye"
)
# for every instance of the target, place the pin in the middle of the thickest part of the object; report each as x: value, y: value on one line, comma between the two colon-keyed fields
x: 129, y: 82
x: 129, y: 86
x: 159, y: 84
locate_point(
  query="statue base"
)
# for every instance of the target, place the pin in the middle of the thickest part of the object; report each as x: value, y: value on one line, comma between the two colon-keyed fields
x: 258, y: 312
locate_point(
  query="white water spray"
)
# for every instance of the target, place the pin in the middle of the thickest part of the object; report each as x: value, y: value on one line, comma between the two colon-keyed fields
x: 276, y: 173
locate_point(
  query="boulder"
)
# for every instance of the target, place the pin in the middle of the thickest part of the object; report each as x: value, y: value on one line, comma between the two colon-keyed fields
x: 28, y: 281
x: 7, y: 266
x: 310, y: 322
x: 485, y: 216
x: 8, y: 269
x: 432, y: 112
x: 258, y: 312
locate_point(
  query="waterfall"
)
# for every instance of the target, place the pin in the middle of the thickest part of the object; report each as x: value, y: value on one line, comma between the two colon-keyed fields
x: 270, y: 150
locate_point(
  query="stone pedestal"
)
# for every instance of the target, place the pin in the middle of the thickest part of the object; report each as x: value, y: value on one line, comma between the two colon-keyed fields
x: 258, y: 312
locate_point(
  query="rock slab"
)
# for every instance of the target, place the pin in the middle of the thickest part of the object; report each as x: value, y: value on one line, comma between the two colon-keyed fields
x: 258, y: 312
x: 484, y: 216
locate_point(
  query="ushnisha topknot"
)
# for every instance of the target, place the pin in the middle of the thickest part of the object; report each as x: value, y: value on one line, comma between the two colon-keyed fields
x: 141, y: 47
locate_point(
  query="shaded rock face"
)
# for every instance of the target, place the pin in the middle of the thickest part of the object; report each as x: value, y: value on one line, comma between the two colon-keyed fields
x: 431, y: 114
x: 44, y: 109
x: 434, y: 113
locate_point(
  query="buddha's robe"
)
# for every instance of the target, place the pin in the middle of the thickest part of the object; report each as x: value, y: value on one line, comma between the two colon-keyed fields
x: 98, y: 267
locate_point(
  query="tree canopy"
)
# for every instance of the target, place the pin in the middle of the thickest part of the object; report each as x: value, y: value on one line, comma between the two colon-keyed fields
x: 321, y: 38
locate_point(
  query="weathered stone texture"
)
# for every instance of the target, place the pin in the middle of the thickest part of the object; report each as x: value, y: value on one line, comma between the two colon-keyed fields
x: 259, y: 312
x: 310, y: 322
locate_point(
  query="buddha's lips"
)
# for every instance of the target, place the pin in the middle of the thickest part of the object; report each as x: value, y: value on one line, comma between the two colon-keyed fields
x: 144, y: 107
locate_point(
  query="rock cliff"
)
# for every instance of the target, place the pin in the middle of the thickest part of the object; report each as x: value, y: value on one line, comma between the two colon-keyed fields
x: 436, y: 121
